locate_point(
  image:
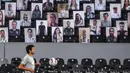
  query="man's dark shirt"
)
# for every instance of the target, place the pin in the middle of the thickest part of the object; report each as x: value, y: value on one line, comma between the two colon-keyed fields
x: 14, y: 32
x: 42, y: 30
x: 121, y: 35
x: 111, y: 39
x: 68, y: 31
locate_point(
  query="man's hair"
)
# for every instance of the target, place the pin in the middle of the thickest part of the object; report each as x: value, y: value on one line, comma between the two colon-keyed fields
x: 2, y: 30
x: 41, y: 22
x: 105, y: 14
x: 9, y: 4
x: 30, y: 30
x: 88, y: 6
x: 114, y: 7
x: 95, y: 20
x: 14, y: 21
x: 54, y: 15
x: 111, y: 29
x: 28, y: 48
x: 25, y: 14
x: 122, y: 23
x: 68, y: 21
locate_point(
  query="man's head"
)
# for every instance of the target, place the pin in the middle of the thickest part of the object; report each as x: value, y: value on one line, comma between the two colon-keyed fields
x: 111, y: 31
x: 77, y: 15
x: 68, y: 23
x: 30, y: 32
x: 88, y: 8
x: 30, y: 49
x: 122, y: 24
x: 84, y: 32
x: 9, y: 6
x: 94, y: 22
x: 2, y: 33
x: 14, y: 25
x: 62, y: 6
x: 41, y: 23
x: 105, y: 16
x: 52, y: 18
x: 25, y: 16
x: 115, y: 9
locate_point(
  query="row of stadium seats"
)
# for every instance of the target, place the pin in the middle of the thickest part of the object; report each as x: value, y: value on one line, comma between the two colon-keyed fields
x: 72, y: 66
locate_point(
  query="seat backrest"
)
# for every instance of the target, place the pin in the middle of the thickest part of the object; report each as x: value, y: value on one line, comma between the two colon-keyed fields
x: 63, y: 67
x: 86, y: 62
x: 72, y: 61
x: 126, y: 62
x: 114, y: 62
x: 77, y: 67
x: 60, y: 61
x: 100, y: 63
x: 15, y: 61
x: 6, y: 68
x: 3, y: 61
x: 44, y: 61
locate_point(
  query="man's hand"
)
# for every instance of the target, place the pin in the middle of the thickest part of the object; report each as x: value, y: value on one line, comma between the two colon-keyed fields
x: 31, y: 70
x: 37, y: 64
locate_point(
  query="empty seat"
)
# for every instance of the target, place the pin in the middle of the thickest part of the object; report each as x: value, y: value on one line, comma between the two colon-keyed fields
x: 63, y: 68
x: 77, y: 68
x: 71, y: 62
x: 126, y: 64
x: 15, y: 61
x: 113, y: 63
x: 60, y: 61
x: 86, y: 62
x: 44, y: 62
x: 100, y: 63
x: 50, y: 69
x: 6, y: 68
x: 3, y: 61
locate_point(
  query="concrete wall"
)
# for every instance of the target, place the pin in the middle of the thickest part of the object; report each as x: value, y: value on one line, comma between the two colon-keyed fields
x: 69, y: 50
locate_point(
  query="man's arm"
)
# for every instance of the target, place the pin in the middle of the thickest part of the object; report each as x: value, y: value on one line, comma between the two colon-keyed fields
x: 21, y: 66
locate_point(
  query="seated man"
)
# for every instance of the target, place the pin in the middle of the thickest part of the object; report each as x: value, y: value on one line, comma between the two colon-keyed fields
x: 3, y: 37
x: 100, y: 5
x: 9, y: 11
x: 122, y: 33
x: 111, y: 38
x: 29, y: 38
x: 105, y: 22
x: 14, y: 31
x: 115, y: 14
x: 68, y: 30
x: 42, y: 29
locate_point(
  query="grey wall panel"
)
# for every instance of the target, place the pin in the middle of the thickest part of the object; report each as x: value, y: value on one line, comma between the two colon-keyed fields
x: 1, y: 50
x: 71, y: 50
